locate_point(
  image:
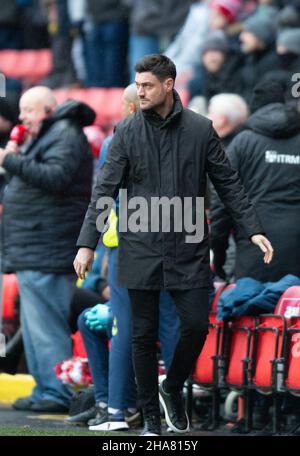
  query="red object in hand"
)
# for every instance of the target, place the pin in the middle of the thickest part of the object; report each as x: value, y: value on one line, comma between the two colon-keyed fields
x: 17, y: 134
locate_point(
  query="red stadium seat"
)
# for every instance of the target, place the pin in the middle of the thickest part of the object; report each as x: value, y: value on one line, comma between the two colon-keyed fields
x: 237, y: 355
x: 207, y: 368
x: 269, y: 342
x: 269, y: 337
x: 205, y: 372
x: 29, y: 65
x: 287, y: 373
x: 239, y: 351
x: 292, y: 358
x: 268, y: 349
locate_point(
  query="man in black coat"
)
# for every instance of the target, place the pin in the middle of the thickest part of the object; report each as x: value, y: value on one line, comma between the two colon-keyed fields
x: 267, y: 158
x: 165, y: 150
x: 44, y: 205
x: 258, y: 47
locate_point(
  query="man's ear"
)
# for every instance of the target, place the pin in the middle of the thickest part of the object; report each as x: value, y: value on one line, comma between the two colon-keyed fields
x: 48, y: 110
x: 131, y: 108
x: 170, y: 84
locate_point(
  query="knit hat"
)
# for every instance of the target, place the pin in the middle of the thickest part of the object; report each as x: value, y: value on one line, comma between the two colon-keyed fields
x: 230, y: 9
x: 216, y: 41
x: 265, y: 93
x: 262, y: 27
x: 290, y: 38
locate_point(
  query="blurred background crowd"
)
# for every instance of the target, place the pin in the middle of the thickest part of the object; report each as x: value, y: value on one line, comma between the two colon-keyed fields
x: 217, y: 45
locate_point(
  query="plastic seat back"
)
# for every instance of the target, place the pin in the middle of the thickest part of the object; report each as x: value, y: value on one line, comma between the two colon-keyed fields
x: 204, y: 371
x: 292, y: 380
x: 268, y: 348
x: 289, y: 303
x: 239, y: 349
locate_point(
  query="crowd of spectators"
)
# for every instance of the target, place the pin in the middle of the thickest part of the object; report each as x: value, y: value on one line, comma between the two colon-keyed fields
x: 217, y: 45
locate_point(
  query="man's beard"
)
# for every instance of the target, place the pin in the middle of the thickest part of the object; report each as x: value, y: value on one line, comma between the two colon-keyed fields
x: 152, y: 106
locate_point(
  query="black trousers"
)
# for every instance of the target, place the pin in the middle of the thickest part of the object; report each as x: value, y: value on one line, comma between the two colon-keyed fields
x: 193, y: 309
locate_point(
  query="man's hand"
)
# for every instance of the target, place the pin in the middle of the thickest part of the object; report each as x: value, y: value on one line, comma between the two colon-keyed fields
x: 83, y: 261
x: 11, y: 148
x: 265, y: 245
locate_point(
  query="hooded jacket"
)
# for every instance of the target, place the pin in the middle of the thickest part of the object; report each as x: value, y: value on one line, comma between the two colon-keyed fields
x: 48, y: 194
x: 154, y: 157
x: 266, y: 156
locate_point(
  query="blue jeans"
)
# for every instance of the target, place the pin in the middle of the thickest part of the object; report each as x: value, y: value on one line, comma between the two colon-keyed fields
x: 105, y: 50
x: 140, y: 45
x: 45, y: 306
x: 113, y: 374
x: 122, y: 387
x: 96, y: 345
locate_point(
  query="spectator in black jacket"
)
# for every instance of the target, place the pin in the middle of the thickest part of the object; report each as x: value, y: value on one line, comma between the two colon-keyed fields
x: 288, y: 51
x: 44, y: 205
x: 218, y: 69
x: 267, y: 158
x: 258, y: 45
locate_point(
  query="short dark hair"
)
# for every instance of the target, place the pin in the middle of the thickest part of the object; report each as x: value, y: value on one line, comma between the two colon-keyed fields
x: 160, y: 65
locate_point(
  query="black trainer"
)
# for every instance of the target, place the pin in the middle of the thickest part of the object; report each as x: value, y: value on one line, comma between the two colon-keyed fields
x: 101, y: 416
x: 83, y: 417
x: 152, y: 426
x: 49, y: 406
x: 23, y: 403
x: 174, y: 409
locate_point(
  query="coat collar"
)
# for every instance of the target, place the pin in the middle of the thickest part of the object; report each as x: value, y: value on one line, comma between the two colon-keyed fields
x: 155, y: 119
